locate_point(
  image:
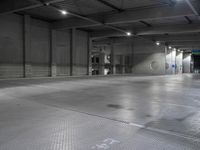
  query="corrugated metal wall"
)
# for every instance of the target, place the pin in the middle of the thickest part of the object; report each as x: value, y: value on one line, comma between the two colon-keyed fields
x: 144, y: 57
x: 63, y: 53
x: 80, y: 54
x: 12, y: 49
x: 11, y: 46
x: 40, y: 48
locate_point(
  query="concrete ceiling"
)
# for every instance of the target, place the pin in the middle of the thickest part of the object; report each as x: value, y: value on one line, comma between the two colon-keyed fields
x: 151, y: 19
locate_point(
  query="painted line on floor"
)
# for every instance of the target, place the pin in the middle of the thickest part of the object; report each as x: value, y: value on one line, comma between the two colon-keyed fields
x: 171, y: 133
x: 178, y: 105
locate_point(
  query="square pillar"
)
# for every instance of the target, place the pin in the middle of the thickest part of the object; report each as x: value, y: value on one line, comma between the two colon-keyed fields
x: 27, y: 46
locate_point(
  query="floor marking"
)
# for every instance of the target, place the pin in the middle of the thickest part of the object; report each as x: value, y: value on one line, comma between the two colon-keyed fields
x: 178, y: 105
x: 106, y: 144
x: 136, y: 125
x: 166, y: 132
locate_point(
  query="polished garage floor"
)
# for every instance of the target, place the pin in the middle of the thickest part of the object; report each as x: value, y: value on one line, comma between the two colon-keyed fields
x: 101, y: 113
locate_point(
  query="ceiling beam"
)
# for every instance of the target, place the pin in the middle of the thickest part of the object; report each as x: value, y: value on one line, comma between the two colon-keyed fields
x: 188, y: 47
x: 159, y: 30
x: 126, y: 40
x: 12, y: 6
x: 188, y: 20
x: 169, y: 2
x: 127, y: 16
x: 170, y: 38
x: 188, y: 43
x: 187, y: 28
x: 146, y: 23
x: 194, y: 5
x: 106, y: 3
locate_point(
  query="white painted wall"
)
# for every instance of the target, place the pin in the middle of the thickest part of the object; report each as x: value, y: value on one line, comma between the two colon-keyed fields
x: 186, y: 63
x: 179, y: 63
x: 170, y: 61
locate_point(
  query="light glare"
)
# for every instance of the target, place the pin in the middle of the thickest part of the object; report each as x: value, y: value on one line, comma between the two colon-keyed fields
x: 63, y: 12
x: 128, y: 33
x: 158, y: 43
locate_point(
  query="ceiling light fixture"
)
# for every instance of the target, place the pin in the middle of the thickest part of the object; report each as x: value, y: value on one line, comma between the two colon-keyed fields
x: 128, y: 33
x: 158, y: 43
x: 170, y: 47
x: 63, y: 12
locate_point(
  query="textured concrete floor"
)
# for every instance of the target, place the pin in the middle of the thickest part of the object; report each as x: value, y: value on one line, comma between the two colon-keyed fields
x: 98, y: 113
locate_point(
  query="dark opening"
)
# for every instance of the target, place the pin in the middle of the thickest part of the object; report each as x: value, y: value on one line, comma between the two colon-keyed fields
x: 196, y: 63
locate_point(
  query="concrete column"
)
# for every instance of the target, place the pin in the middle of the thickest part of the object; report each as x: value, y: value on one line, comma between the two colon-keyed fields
x: 102, y: 63
x: 89, y: 67
x: 113, y: 66
x: 186, y: 63
x: 53, y: 64
x: 27, y: 47
x: 173, y: 56
x: 179, y: 62
x: 72, y: 51
x: 123, y: 64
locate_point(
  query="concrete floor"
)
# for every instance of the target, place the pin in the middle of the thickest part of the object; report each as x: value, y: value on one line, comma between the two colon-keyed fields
x: 101, y: 113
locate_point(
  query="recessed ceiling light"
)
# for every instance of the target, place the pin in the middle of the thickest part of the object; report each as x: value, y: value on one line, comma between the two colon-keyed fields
x: 170, y: 47
x: 63, y: 12
x: 128, y: 33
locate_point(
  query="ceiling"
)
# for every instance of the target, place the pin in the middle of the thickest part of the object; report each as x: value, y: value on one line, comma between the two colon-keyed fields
x: 114, y: 18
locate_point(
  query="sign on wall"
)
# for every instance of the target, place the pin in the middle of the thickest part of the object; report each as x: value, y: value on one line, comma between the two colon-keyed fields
x: 196, y: 52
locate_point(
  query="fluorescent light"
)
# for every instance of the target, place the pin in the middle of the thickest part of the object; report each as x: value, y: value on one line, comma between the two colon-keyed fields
x: 128, y: 33
x: 63, y: 12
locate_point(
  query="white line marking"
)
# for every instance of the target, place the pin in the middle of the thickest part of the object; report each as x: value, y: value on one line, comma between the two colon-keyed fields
x: 166, y: 132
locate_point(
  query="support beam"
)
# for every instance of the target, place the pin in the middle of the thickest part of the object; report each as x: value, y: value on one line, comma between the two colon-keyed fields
x: 53, y: 64
x: 110, y: 5
x: 188, y: 20
x: 123, y: 40
x: 146, y: 23
x: 169, y: 2
x: 27, y: 47
x: 114, y: 41
x: 170, y: 38
x: 195, y: 6
x: 188, y: 47
x: 176, y: 29
x: 177, y: 44
x: 127, y: 16
x: 105, y: 34
x: 72, y: 50
x: 12, y: 6
x: 89, y: 65
x: 113, y: 66
x: 189, y: 28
